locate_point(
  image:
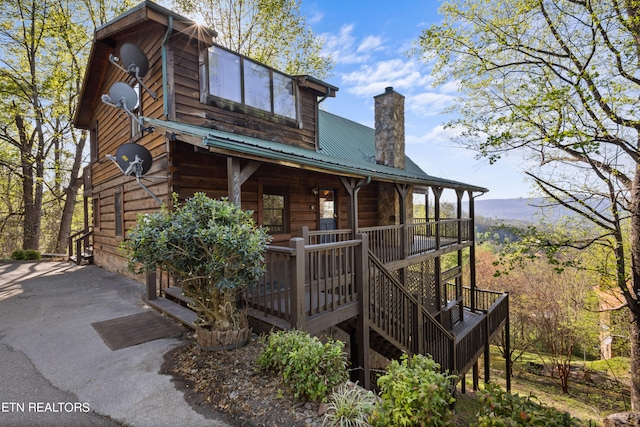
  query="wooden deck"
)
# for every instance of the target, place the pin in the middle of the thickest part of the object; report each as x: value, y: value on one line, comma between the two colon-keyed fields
x: 342, y: 282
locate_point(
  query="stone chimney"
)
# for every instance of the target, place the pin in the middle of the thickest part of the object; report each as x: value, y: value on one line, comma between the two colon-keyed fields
x: 389, y: 110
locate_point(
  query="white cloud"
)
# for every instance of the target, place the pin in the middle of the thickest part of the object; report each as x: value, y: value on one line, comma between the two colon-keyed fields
x: 342, y: 46
x: 429, y: 103
x: 315, y: 18
x: 370, y: 44
x: 404, y: 76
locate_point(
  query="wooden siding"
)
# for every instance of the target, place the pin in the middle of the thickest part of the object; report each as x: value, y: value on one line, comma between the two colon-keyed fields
x: 113, y: 129
x: 194, y: 171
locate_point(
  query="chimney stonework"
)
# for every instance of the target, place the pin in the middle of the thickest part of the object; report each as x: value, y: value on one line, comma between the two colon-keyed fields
x: 390, y: 151
x: 389, y: 128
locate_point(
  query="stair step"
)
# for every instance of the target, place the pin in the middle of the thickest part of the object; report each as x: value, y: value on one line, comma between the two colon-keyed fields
x: 174, y: 292
x: 175, y: 310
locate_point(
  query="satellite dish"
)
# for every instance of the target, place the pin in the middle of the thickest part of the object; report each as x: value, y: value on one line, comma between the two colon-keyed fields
x: 123, y: 96
x: 134, y: 60
x: 135, y: 63
x: 133, y: 159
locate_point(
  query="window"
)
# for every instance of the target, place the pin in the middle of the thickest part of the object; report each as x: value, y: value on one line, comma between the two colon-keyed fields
x: 96, y: 211
x: 274, y: 210
x: 117, y: 205
x: 136, y: 130
x: 93, y: 143
x: 240, y: 80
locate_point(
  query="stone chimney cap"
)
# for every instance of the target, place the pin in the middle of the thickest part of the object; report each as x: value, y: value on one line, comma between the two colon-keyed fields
x: 389, y: 90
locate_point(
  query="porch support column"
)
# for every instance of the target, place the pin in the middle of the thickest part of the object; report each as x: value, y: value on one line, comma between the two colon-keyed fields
x: 353, y: 186
x: 460, y: 279
x: 472, y: 253
x: 362, y: 331
x: 237, y: 176
x: 404, y: 190
x: 507, y: 348
x: 437, y: 192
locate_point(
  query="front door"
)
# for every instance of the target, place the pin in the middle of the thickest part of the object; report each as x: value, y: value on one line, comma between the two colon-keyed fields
x: 328, y: 212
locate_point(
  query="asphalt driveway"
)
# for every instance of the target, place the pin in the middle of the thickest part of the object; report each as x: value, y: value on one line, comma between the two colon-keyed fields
x: 55, y: 370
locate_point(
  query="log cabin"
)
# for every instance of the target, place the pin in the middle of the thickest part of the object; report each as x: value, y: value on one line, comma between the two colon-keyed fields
x: 350, y: 249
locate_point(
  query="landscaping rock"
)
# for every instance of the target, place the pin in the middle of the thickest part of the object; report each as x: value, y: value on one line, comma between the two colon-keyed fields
x: 622, y: 419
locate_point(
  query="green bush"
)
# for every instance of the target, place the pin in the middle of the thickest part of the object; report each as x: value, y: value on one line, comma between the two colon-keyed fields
x: 502, y: 409
x: 349, y: 406
x: 213, y: 248
x: 309, y: 368
x: 414, y: 393
x: 25, y: 254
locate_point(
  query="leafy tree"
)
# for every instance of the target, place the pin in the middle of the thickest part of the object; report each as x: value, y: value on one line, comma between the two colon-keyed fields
x: 269, y: 31
x: 557, y: 81
x: 43, y: 49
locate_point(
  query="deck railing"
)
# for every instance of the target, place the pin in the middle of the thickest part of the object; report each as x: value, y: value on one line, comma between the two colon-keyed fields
x: 396, y: 242
x: 303, y: 281
x: 495, y: 306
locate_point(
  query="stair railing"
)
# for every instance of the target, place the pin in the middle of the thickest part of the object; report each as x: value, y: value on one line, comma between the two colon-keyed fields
x: 81, y: 241
x: 398, y: 316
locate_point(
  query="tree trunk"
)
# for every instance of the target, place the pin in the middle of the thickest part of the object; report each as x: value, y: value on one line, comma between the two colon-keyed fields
x: 635, y: 362
x: 70, y: 198
x: 631, y: 295
x: 31, y: 221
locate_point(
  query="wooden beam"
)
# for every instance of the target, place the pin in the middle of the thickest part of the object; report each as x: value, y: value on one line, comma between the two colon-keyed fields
x: 237, y: 176
x: 353, y: 186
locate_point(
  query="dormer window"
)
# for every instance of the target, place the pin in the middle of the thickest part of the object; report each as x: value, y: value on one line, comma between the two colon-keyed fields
x: 232, y: 77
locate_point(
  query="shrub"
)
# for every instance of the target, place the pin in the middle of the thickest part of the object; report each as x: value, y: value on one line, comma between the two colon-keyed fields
x: 309, y: 368
x: 414, y: 393
x: 25, y: 254
x: 349, y: 406
x: 213, y: 248
x: 505, y: 409
x: 32, y: 254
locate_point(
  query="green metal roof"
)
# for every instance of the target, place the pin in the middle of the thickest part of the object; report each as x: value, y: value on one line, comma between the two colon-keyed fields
x: 346, y: 148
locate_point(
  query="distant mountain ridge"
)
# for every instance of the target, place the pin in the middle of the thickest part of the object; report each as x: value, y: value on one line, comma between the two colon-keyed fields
x: 521, y: 209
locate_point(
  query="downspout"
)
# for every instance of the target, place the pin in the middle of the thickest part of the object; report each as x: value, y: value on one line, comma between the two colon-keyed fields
x: 318, y: 119
x: 165, y: 90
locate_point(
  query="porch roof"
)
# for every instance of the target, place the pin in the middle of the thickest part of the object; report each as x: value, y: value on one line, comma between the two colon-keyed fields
x: 343, y: 151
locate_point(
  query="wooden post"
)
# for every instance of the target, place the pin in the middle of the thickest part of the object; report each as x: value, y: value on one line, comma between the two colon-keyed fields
x: 472, y: 254
x: 507, y: 347
x: 476, y: 375
x: 362, y: 333
x: 353, y: 187
x: 487, y: 353
x: 297, y: 274
x: 437, y: 192
x: 236, y: 177
x: 151, y: 286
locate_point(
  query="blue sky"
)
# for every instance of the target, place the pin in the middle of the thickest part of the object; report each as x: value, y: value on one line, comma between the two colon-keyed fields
x: 368, y: 41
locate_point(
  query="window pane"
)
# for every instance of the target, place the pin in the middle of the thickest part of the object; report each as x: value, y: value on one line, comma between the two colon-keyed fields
x: 273, y: 212
x: 257, y: 87
x: 283, y: 97
x: 224, y: 74
x: 118, y: 213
